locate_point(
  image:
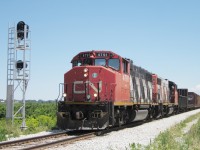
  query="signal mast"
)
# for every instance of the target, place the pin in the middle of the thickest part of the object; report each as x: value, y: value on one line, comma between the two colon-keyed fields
x: 18, y: 70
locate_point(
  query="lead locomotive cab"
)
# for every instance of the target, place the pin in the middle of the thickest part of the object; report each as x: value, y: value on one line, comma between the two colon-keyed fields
x: 97, y: 80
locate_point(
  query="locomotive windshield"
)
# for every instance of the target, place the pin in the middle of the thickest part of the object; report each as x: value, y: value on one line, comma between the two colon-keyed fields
x: 113, y: 63
x: 100, y: 62
x: 87, y: 61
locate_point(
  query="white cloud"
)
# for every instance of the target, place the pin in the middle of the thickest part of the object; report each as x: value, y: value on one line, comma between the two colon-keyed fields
x: 198, y: 87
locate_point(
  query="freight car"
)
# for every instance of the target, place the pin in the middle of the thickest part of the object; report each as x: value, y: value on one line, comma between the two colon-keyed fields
x: 183, y: 99
x: 104, y: 89
x: 188, y: 100
x: 193, y: 100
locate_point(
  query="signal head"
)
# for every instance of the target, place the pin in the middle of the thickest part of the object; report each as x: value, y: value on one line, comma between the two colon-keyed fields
x: 20, y: 65
x: 20, y: 30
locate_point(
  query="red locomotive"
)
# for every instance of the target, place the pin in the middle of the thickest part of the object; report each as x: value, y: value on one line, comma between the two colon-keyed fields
x: 104, y: 89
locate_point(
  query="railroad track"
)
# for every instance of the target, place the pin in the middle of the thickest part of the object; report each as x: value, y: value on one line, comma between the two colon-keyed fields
x: 57, y: 139
x: 19, y: 143
x: 41, y: 142
x: 62, y: 142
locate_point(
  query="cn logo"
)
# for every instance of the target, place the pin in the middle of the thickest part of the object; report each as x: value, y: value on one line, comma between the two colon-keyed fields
x: 80, y: 87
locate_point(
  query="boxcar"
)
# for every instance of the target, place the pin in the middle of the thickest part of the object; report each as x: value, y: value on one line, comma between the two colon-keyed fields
x: 182, y: 99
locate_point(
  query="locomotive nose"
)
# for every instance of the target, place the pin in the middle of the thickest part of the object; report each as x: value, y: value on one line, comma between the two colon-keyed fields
x: 84, y: 83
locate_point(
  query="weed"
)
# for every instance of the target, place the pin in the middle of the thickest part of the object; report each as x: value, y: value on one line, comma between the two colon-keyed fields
x: 174, y: 138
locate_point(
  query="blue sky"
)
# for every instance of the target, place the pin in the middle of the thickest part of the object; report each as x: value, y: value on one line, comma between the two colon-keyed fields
x: 160, y: 36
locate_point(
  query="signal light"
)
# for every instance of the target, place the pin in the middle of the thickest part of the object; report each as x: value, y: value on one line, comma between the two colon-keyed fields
x: 20, y: 30
x: 20, y: 65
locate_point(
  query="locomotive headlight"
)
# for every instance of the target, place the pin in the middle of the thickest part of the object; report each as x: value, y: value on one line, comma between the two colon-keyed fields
x: 64, y: 95
x: 85, y: 70
x: 95, y: 95
x: 85, y: 74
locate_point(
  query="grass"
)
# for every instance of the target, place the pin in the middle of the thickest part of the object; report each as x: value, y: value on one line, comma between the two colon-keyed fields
x: 175, y: 139
x: 40, y: 116
x: 7, y: 130
x: 41, y: 123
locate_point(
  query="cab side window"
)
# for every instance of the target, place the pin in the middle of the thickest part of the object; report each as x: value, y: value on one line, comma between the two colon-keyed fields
x: 77, y: 63
x: 125, y: 66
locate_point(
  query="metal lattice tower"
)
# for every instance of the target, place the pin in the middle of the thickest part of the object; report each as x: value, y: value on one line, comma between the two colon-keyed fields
x: 18, y: 71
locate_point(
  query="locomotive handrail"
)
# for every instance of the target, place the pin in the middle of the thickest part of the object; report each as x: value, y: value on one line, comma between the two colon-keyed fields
x: 60, y: 84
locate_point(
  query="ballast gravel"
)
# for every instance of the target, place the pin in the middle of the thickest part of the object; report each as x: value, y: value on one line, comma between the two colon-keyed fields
x: 121, y: 140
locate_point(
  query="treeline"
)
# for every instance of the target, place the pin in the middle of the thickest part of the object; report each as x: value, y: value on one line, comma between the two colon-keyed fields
x: 40, y: 116
x: 33, y: 108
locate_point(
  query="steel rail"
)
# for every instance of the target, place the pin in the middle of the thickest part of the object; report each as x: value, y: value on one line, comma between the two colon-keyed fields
x: 63, y: 141
x: 21, y: 141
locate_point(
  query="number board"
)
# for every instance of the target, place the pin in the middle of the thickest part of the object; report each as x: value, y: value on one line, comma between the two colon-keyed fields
x: 98, y: 54
x: 84, y: 55
x: 102, y: 54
